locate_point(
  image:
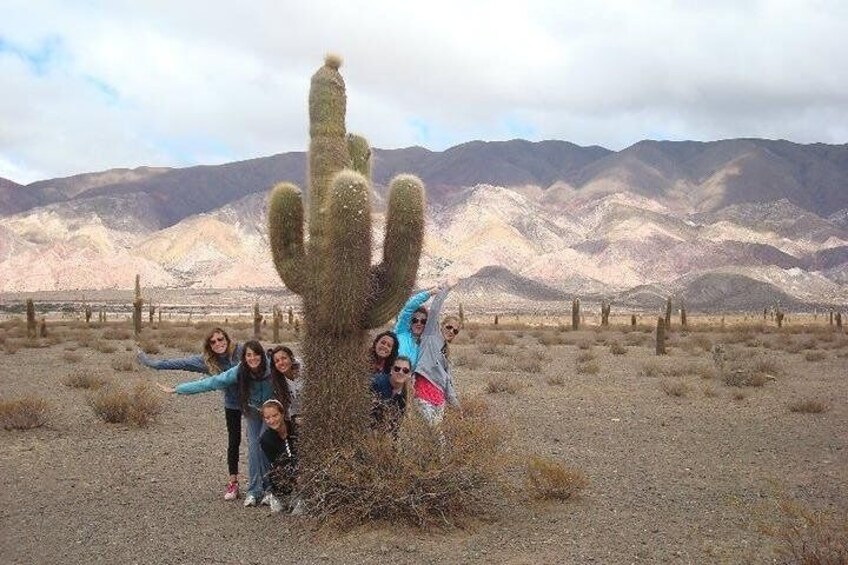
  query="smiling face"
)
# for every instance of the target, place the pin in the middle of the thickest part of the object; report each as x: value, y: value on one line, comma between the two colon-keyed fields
x: 400, y: 373
x: 273, y: 416
x: 383, y: 347
x: 219, y: 343
x: 252, y: 359
x: 282, y: 362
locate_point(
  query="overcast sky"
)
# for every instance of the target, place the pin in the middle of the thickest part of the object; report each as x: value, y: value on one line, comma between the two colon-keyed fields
x: 91, y: 85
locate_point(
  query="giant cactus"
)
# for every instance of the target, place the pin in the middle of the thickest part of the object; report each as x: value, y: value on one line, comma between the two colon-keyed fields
x: 343, y: 293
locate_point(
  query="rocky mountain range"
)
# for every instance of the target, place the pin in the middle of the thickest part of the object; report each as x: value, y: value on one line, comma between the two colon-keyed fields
x: 724, y: 225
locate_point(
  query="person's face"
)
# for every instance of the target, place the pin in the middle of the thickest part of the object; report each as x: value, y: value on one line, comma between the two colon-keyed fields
x: 282, y: 362
x: 419, y: 320
x: 384, y: 346
x: 449, y: 331
x: 400, y: 372
x: 273, y: 417
x: 218, y: 342
x: 252, y: 358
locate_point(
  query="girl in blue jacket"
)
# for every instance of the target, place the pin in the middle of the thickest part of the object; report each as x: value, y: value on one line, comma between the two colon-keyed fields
x: 252, y: 378
x: 219, y: 354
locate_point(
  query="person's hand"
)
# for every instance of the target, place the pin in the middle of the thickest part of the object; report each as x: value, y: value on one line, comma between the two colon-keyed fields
x: 450, y: 282
x: 168, y: 389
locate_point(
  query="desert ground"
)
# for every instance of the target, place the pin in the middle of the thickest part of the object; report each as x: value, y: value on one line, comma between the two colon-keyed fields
x: 690, y: 457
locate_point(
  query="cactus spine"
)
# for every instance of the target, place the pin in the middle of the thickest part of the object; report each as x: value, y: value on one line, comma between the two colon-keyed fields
x: 138, y: 302
x: 343, y: 294
x: 605, y: 312
x: 661, y: 336
x: 575, y: 314
x: 30, y: 311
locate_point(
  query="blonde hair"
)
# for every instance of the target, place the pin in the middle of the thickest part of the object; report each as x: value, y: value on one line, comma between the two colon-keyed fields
x: 210, y: 358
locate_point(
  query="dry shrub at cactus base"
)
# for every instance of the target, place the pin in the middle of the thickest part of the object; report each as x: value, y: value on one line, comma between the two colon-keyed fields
x: 116, y: 405
x: 426, y: 477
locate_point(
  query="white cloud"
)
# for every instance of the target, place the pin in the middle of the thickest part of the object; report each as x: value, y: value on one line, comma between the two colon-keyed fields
x: 89, y: 86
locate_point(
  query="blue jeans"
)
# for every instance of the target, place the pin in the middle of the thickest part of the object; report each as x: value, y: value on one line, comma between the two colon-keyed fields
x: 257, y: 463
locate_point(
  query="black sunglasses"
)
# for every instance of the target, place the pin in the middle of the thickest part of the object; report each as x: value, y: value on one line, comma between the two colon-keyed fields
x: 452, y: 329
x: 404, y: 370
x: 419, y: 320
x: 217, y: 340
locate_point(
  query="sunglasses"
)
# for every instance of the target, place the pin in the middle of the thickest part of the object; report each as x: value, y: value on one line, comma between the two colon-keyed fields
x: 419, y: 320
x: 404, y: 370
x: 452, y: 329
x: 213, y: 340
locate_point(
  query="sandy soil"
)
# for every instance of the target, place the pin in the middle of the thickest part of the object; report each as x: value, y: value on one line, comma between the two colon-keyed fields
x: 689, y: 479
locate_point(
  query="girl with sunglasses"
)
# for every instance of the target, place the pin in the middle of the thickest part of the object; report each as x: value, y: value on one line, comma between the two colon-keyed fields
x: 219, y: 354
x: 433, y: 383
x: 410, y: 324
x: 389, y: 391
x: 252, y: 379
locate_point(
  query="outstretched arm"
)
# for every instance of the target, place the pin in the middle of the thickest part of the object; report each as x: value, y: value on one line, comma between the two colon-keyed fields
x: 195, y: 363
x: 215, y: 382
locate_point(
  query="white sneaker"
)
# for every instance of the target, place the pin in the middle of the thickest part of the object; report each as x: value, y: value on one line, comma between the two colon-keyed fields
x: 266, y: 499
x: 249, y: 500
x: 276, y: 505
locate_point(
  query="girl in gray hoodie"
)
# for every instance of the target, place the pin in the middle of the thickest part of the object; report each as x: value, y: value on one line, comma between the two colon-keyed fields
x: 433, y: 384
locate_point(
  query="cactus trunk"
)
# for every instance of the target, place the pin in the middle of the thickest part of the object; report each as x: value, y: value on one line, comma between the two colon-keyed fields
x: 661, y: 336
x: 137, y: 304
x: 575, y: 314
x: 30, y: 313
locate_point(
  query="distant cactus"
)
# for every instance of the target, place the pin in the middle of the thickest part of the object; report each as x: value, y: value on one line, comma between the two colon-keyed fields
x: 632, y: 319
x: 87, y: 312
x: 30, y: 313
x: 778, y: 316
x: 343, y: 294
x: 839, y: 320
x: 682, y: 314
x: 291, y: 316
x: 278, y: 319
x: 605, y: 312
x: 661, y: 336
x: 257, y: 321
x: 138, y: 302
x: 151, y: 311
x: 42, y: 328
x: 668, y: 313
x: 461, y: 315
x: 575, y: 314
x: 496, y: 319
x: 831, y: 317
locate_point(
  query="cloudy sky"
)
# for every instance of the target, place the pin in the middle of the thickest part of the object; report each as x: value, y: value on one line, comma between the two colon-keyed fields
x: 87, y: 85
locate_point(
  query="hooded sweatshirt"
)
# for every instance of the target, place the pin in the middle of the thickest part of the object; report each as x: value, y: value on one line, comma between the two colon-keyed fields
x: 432, y: 363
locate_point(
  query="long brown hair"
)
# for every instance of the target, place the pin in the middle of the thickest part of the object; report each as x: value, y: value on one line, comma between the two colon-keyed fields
x: 245, y: 374
x: 210, y: 358
x: 278, y: 380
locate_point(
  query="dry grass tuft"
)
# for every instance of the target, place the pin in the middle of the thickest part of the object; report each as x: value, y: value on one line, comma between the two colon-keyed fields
x: 811, y: 538
x: 105, y: 346
x: 125, y: 364
x: 149, y: 346
x: 674, y: 387
x: 82, y: 378
x: 617, y: 349
x: 549, y: 479
x: 117, y: 334
x: 815, y: 356
x: 589, y: 368
x: 116, y: 406
x: 808, y: 406
x: 555, y: 380
x: 23, y: 413
x: 502, y: 384
x: 585, y: 357
x: 71, y: 357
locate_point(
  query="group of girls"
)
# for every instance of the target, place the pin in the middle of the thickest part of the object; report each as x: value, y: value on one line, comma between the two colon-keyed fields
x: 264, y: 388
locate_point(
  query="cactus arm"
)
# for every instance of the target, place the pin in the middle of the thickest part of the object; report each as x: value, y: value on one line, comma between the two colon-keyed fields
x: 344, y: 280
x: 360, y: 155
x: 393, y: 278
x: 285, y: 231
